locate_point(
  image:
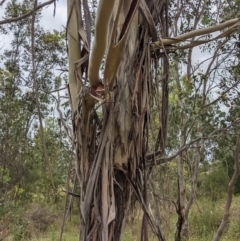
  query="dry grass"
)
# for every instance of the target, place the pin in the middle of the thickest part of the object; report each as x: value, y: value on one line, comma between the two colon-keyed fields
x: 204, y: 220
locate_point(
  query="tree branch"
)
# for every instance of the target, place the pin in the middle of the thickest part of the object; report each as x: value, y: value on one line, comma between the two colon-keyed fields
x: 169, y: 41
x: 151, y: 157
x: 222, y: 94
x: 56, y: 90
x: 10, y: 20
x: 66, y: 126
x: 2, y: 2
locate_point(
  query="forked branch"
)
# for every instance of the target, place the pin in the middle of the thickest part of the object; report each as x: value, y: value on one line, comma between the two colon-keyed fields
x: 116, y: 46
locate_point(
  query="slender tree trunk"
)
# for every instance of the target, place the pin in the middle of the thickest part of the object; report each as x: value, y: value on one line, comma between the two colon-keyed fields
x: 35, y: 87
x: 181, y: 198
x: 181, y: 161
x: 197, y: 157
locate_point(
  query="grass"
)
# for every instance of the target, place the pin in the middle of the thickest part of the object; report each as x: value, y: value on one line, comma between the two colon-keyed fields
x: 204, y: 219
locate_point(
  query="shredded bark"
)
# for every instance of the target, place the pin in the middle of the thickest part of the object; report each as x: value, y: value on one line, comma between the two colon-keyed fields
x: 111, y: 147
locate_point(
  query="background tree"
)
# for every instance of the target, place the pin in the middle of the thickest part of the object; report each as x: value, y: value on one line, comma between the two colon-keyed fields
x: 33, y: 66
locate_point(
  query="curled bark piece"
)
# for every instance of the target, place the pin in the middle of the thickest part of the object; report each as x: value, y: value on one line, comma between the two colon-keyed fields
x: 98, y: 93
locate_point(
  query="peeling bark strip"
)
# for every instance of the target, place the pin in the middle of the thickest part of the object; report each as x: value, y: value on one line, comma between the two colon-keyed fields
x: 111, y: 152
x: 73, y: 52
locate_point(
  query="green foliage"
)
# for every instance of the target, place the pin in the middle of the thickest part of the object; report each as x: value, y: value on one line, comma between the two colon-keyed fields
x: 233, y: 231
x: 59, y: 156
x: 20, y: 229
x: 215, y: 183
x: 229, y: 166
x: 4, y: 175
x: 53, y: 233
x: 128, y: 236
x: 23, y: 169
x: 23, y: 172
x: 205, y: 20
x: 224, y: 152
x: 16, y: 9
x: 205, y: 220
x: 13, y: 136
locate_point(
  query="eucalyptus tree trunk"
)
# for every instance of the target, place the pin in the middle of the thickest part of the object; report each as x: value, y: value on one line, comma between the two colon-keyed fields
x: 111, y: 137
x: 111, y: 150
